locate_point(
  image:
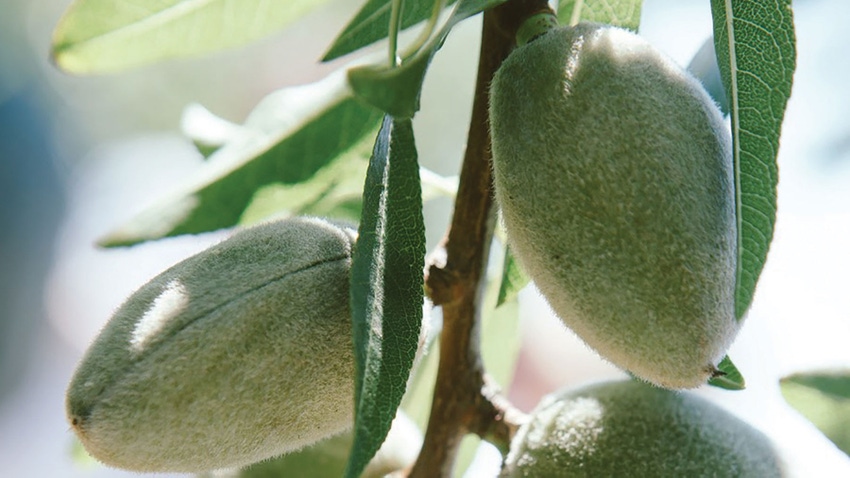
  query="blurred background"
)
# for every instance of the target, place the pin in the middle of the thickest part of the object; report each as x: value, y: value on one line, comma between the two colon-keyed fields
x: 79, y: 155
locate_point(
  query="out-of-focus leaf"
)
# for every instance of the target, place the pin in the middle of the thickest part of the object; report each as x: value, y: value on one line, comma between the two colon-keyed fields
x: 500, y: 341
x: 622, y: 13
x: 824, y: 399
x: 435, y: 185
x: 466, y: 453
x: 290, y: 136
x: 732, y: 380
x: 835, y: 383
x: 704, y: 67
x: 513, y: 279
x: 500, y: 344
x: 386, y: 287
x: 417, y: 400
x: 335, y: 191
x: 500, y: 338
x: 80, y: 456
x: 207, y: 131
x: 104, y: 36
x: 396, y: 89
x: 371, y: 24
x: 755, y: 47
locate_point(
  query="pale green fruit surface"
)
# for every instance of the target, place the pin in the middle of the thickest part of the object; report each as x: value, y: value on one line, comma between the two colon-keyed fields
x: 237, y: 354
x: 328, y: 458
x: 633, y: 429
x: 613, y: 171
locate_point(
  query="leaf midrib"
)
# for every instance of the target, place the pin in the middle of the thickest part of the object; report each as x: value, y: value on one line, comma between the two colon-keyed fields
x: 164, y: 16
x: 736, y: 143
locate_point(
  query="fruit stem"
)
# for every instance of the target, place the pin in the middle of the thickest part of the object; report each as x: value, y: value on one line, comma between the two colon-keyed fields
x: 535, y: 26
x: 465, y: 401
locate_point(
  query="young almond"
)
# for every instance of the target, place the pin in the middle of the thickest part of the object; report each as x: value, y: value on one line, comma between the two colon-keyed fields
x: 613, y: 171
x: 237, y: 354
x: 629, y: 428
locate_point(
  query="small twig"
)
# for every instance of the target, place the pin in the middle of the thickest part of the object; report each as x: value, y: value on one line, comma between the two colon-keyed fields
x: 498, y: 419
x: 464, y: 399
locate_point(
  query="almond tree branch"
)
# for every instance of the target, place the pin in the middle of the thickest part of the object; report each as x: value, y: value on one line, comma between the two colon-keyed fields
x: 464, y: 399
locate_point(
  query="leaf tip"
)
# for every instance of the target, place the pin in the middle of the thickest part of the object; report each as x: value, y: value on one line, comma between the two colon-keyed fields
x: 331, y: 54
x: 727, y: 376
x: 116, y: 238
x: 58, y: 56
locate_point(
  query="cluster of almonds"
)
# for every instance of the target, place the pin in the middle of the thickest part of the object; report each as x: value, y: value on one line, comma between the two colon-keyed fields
x: 614, y: 177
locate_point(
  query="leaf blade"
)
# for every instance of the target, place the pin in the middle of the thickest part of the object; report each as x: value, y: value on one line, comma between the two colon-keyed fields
x: 513, y: 279
x: 105, y: 36
x: 386, y: 287
x: 621, y: 13
x: 370, y: 25
x: 289, y: 144
x: 732, y: 379
x: 335, y: 191
x: 755, y: 45
x: 396, y: 89
x: 834, y: 383
x: 823, y: 397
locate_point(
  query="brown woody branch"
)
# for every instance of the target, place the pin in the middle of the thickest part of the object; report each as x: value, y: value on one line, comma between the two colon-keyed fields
x: 465, y: 401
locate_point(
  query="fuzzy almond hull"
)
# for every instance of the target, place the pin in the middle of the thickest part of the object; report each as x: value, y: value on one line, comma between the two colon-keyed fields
x: 613, y: 171
x: 629, y: 428
x: 237, y: 354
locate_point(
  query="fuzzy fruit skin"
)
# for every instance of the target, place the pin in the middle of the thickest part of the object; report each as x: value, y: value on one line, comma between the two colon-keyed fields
x: 629, y: 428
x: 328, y: 458
x: 237, y: 354
x: 613, y: 171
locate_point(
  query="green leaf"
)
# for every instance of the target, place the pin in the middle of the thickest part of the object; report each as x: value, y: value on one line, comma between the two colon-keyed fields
x: 500, y: 339
x: 80, y: 457
x: 395, y: 89
x: 621, y: 13
x: 824, y: 399
x: 289, y: 137
x: 466, y: 452
x: 468, y: 8
x: 417, y: 401
x: 703, y: 66
x: 756, y: 53
x: 335, y: 191
x: 207, y: 131
x: 732, y: 380
x: 513, y: 279
x: 392, y: 90
x: 500, y: 345
x: 371, y: 24
x: 386, y: 287
x: 836, y: 383
x: 105, y: 36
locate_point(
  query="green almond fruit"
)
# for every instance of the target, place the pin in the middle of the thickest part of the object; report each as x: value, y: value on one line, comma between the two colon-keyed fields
x: 237, y: 354
x: 634, y: 429
x: 613, y: 171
